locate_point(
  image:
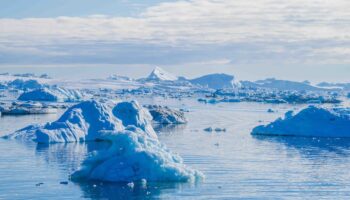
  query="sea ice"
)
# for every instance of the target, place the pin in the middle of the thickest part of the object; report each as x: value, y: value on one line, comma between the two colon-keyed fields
x: 311, y: 121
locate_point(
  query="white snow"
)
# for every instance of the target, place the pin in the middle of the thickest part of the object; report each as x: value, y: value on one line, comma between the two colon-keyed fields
x: 312, y: 122
x: 135, y: 156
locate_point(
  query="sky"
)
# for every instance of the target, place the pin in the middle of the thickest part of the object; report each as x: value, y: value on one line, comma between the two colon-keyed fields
x: 287, y: 39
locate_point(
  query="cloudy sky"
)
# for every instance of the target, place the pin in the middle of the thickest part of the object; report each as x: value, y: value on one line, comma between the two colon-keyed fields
x: 290, y: 39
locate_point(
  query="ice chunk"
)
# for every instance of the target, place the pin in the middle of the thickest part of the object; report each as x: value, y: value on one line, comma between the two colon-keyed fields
x: 131, y: 113
x: 220, y: 129
x: 165, y: 115
x: 81, y: 122
x: 135, y: 156
x: 270, y: 110
x: 87, y: 121
x: 311, y: 121
x: 209, y: 129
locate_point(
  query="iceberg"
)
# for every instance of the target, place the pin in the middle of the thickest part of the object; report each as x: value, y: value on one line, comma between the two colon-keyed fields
x: 87, y: 121
x: 273, y: 83
x: 310, y: 122
x: 216, y: 81
x: 135, y: 156
x: 54, y: 94
x: 25, y: 84
x: 81, y: 122
x: 133, y: 114
x: 165, y: 115
x: 158, y: 74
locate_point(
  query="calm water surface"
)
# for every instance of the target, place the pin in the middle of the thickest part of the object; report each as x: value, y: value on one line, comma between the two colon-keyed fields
x: 236, y: 164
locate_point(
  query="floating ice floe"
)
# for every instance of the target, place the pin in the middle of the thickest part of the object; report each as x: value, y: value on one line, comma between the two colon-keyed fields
x: 311, y: 122
x: 165, y: 115
x: 270, y: 110
x: 210, y: 129
x: 87, y: 121
x: 53, y: 94
x: 135, y: 156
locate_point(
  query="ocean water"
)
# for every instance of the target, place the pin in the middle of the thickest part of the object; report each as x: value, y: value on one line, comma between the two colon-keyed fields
x: 236, y: 164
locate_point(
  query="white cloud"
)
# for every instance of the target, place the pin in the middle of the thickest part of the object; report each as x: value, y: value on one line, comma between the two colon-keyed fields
x: 276, y: 23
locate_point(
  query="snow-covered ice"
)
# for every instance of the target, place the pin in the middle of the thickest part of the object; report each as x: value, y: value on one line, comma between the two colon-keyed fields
x: 133, y: 114
x: 166, y: 115
x: 81, y: 122
x: 25, y: 84
x: 53, y: 94
x: 159, y: 74
x: 135, y: 156
x: 310, y: 122
x: 87, y: 121
x: 216, y: 81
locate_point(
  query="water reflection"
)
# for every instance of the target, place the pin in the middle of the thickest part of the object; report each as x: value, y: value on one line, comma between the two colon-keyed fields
x: 96, y: 190
x: 310, y: 145
x: 169, y: 128
x: 68, y: 156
